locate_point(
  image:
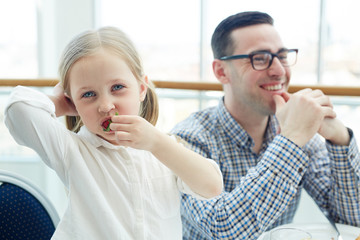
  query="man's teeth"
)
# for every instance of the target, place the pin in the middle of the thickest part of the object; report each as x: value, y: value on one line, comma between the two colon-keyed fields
x: 273, y: 87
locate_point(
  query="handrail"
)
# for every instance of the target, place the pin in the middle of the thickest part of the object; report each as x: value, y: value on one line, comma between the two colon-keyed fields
x: 200, y: 86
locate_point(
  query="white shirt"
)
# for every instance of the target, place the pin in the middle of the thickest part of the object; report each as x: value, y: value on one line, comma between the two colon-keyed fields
x: 114, y: 192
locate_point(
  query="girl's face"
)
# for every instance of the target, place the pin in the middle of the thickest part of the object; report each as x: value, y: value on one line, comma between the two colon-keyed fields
x: 100, y: 86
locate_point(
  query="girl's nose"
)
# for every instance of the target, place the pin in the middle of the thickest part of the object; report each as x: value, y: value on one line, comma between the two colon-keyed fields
x: 106, y: 105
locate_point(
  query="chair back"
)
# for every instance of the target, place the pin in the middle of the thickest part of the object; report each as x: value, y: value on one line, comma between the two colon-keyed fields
x: 25, y: 212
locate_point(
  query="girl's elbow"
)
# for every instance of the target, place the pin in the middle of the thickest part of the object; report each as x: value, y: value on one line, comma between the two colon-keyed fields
x: 219, y: 188
x: 215, y: 189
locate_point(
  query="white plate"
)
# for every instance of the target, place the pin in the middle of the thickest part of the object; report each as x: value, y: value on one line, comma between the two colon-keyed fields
x: 322, y: 231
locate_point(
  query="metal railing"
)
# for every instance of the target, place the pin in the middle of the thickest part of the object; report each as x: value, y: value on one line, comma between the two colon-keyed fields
x: 200, y: 86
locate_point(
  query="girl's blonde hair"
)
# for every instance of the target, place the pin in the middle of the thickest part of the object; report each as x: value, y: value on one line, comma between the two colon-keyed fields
x: 114, y: 40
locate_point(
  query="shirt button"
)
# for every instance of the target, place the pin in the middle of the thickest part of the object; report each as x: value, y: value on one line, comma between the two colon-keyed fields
x: 300, y: 170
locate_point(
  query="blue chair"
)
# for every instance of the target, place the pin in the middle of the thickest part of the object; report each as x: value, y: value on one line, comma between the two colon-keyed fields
x: 25, y: 212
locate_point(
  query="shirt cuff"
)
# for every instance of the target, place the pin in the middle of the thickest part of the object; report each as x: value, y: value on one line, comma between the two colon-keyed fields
x: 344, y: 157
x: 286, y: 160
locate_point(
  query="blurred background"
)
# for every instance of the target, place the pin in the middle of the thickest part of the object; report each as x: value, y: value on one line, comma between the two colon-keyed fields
x: 173, y: 39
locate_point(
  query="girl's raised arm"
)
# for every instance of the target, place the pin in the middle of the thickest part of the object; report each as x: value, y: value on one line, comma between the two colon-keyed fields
x: 200, y: 174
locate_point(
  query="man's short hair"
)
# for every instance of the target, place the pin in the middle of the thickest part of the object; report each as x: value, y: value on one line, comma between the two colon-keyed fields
x: 221, y: 42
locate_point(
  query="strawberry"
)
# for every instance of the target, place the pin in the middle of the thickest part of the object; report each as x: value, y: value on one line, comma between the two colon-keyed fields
x: 106, y: 124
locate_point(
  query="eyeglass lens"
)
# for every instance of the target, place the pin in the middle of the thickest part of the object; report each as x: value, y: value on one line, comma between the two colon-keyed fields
x: 263, y: 61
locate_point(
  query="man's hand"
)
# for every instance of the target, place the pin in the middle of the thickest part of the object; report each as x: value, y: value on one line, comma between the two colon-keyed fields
x: 302, y: 114
x: 333, y: 129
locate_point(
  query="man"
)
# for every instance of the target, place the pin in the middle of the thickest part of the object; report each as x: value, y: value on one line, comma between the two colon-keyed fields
x: 266, y: 141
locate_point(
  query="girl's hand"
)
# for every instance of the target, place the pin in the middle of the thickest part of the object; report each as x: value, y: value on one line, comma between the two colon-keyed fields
x: 134, y: 131
x: 62, y: 101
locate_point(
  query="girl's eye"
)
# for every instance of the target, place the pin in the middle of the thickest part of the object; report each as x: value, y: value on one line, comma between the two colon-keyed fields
x: 117, y: 87
x: 88, y: 94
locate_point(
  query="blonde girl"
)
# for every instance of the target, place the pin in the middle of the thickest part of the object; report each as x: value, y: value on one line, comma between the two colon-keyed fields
x: 123, y: 176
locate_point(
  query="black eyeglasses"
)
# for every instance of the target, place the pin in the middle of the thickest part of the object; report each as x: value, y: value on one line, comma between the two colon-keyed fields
x: 262, y: 60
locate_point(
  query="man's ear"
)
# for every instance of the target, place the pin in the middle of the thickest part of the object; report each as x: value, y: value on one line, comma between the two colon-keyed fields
x: 219, y: 71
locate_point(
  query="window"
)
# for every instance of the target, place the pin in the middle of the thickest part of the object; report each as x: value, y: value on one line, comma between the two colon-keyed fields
x: 18, y: 58
x: 166, y: 33
x: 174, y: 37
x: 18, y: 41
x: 340, y: 43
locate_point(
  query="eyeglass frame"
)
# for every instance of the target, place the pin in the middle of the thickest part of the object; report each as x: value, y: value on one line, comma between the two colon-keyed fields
x: 251, y: 55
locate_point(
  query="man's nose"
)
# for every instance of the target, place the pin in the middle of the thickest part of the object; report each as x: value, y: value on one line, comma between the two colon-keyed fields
x: 276, y: 67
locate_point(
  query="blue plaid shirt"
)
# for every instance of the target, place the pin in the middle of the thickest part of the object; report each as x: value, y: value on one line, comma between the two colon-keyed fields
x: 263, y: 190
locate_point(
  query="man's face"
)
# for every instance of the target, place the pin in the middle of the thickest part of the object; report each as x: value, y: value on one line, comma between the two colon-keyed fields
x: 249, y: 89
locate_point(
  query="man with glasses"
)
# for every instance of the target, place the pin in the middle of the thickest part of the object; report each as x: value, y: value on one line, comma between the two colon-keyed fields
x: 268, y: 143
x: 262, y: 60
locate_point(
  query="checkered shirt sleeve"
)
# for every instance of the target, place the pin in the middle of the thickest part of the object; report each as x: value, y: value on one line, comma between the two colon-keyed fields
x: 333, y: 181
x: 262, y: 195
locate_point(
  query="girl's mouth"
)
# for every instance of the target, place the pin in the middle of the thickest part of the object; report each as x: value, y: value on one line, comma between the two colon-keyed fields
x: 106, y: 125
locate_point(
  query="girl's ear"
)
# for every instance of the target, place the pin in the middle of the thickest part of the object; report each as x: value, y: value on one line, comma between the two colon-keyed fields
x: 67, y: 96
x: 220, y: 71
x: 143, y: 88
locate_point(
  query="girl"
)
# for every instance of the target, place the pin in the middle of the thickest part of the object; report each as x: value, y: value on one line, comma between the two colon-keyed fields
x: 122, y: 174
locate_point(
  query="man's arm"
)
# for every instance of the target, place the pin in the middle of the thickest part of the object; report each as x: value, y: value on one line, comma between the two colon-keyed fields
x: 261, y: 197
x: 332, y: 179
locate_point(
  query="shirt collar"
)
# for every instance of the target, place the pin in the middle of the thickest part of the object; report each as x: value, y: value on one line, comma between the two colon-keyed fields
x: 237, y: 132
x: 95, y: 140
x: 232, y: 128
